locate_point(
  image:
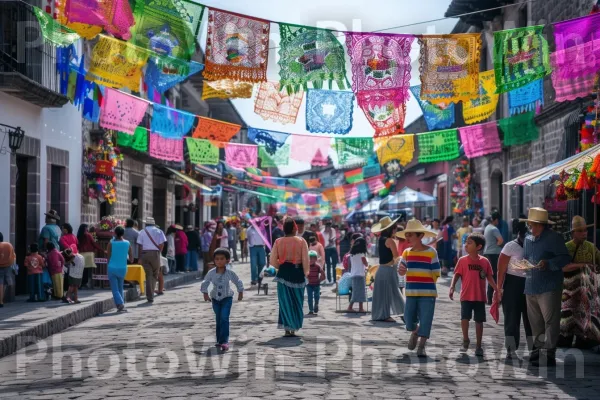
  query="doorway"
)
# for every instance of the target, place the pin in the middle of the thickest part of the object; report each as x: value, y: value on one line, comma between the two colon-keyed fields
x: 159, y: 207
x: 496, y: 196
x: 135, y: 202
x: 21, y: 239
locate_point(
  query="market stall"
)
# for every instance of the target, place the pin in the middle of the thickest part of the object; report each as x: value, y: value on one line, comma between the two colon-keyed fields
x: 408, y: 201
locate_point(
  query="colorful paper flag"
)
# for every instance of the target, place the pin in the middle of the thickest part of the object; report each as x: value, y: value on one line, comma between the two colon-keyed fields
x: 438, y: 146
x: 202, y: 151
x: 479, y: 140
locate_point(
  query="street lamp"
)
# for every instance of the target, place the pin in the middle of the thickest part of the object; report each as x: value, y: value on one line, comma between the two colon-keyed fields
x: 15, y: 138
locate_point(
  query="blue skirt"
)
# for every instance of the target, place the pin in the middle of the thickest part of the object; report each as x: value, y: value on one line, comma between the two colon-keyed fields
x: 290, y: 293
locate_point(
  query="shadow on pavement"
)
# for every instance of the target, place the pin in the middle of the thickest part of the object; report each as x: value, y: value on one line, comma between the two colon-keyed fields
x: 283, y: 342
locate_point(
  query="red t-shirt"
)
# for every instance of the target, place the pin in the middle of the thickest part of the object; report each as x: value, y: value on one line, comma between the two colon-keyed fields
x: 35, y: 264
x: 474, y: 275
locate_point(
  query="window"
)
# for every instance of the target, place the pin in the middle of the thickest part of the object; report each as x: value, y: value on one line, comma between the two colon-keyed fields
x: 56, y: 175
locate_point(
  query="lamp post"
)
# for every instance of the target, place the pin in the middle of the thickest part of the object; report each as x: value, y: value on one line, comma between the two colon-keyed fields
x: 15, y: 138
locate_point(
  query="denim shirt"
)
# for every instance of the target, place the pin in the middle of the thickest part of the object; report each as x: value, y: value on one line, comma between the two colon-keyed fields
x: 549, y: 246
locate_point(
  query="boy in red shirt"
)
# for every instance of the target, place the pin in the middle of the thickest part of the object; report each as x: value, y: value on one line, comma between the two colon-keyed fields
x: 474, y: 270
x: 313, y: 288
x: 35, y: 264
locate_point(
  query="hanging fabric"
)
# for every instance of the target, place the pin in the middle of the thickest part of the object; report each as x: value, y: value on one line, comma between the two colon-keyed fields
x: 577, y: 47
x: 521, y: 56
x: 52, y: 31
x: 519, y: 129
x: 305, y: 148
x: 226, y: 89
x: 170, y: 122
x: 121, y: 111
x: 138, y: 141
x: 276, y: 105
x: 566, y: 86
x: 329, y: 111
x: 438, y: 146
x: 241, y: 155
x: 237, y: 47
x: 310, y: 56
x: 353, y: 151
x: 214, y: 130
x: 449, y: 66
x: 202, y: 151
x: 271, y: 140
x: 484, y: 105
x: 384, y: 109
x: 114, y: 16
x: 399, y: 149
x: 527, y: 98
x: 165, y: 148
x: 280, y: 158
x: 441, y: 116
x: 479, y: 140
x: 64, y: 57
x: 163, y: 78
x: 91, y: 102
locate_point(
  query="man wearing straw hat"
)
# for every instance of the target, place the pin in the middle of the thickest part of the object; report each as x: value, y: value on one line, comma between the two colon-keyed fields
x: 545, y: 249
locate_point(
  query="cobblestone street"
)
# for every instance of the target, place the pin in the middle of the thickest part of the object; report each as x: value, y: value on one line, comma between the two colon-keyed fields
x: 167, y: 351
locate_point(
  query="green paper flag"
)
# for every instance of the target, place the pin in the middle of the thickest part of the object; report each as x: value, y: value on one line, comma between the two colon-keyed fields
x: 138, y: 141
x: 54, y: 32
x: 521, y: 56
x: 353, y: 151
x: 281, y: 158
x: 355, y: 175
x: 519, y: 129
x: 438, y: 146
x: 202, y: 151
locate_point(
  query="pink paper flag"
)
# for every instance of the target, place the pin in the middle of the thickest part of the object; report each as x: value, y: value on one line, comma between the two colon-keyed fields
x: 310, y: 199
x: 569, y: 88
x: 305, y: 148
x: 121, y: 111
x: 350, y: 192
x: 479, y: 140
x: 241, y: 155
x: 375, y: 183
x: 165, y: 149
x: 578, y: 46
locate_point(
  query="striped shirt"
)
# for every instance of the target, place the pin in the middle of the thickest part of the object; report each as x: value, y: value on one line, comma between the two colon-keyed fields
x: 423, y: 270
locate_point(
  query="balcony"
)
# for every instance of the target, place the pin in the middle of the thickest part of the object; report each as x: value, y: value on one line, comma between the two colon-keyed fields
x: 27, y: 61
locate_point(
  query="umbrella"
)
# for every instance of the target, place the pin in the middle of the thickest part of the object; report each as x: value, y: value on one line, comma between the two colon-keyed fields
x: 371, y: 207
x: 408, y: 197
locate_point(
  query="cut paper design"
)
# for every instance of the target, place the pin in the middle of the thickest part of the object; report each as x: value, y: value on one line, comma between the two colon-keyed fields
x: 117, y: 64
x: 484, y: 105
x: 565, y: 85
x: 527, y: 98
x: 85, y: 31
x: 441, y: 116
x: 329, y: 111
x: 53, y: 31
x: 226, y: 89
x: 519, y: 129
x: 271, y: 140
x: 202, y: 151
x: 170, y: 122
x: 310, y: 55
x: 165, y: 148
x: 380, y: 61
x: 163, y: 78
x: 521, y: 56
x: 216, y: 131
x: 167, y: 27
x: 91, y: 107
x: 479, y: 140
x: 276, y: 105
x: 121, y: 111
x: 305, y: 148
x: 384, y: 110
x: 237, y: 47
x: 577, y: 54
x: 138, y: 141
x: 354, y: 176
x: 438, y: 146
x: 281, y: 158
x: 375, y: 184
x: 449, y: 67
x: 321, y: 158
x: 353, y: 151
x: 372, y: 170
x: 400, y: 149
x: 241, y: 155
x: 114, y: 16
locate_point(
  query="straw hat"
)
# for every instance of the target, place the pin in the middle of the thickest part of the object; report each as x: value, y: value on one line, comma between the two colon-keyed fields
x: 415, y: 226
x: 537, y: 215
x: 150, y: 221
x: 383, y: 224
x: 178, y: 227
x: 579, y: 223
x: 53, y: 214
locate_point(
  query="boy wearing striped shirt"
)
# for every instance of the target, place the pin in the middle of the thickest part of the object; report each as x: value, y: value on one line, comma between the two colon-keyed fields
x: 421, y: 267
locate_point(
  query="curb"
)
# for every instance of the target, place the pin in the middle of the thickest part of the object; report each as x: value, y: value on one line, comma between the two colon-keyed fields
x: 13, y: 343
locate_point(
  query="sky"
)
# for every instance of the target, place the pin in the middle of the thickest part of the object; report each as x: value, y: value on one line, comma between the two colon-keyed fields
x: 349, y: 15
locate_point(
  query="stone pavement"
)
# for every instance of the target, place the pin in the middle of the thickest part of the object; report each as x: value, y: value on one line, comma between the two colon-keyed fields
x: 165, y: 351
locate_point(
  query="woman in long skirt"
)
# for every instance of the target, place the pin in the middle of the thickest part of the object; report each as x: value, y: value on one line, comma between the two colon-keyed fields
x: 387, y: 300
x: 289, y: 256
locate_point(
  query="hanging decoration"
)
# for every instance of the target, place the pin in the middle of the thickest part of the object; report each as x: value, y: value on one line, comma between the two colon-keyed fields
x: 202, y: 151
x: 237, y: 47
x: 521, y: 56
x: 226, y: 89
x: 85, y: 31
x: 526, y: 98
x: 483, y: 106
x: 354, y: 176
x: 170, y: 122
x: 394, y: 153
x: 567, y: 87
x: 276, y: 105
x: 519, y: 129
x: 138, y: 141
x: 114, y: 16
x: 280, y: 158
x: 353, y: 151
x: 162, y: 77
x: 479, y: 140
x: 169, y: 149
x: 441, y: 116
x: 449, y: 67
x: 321, y: 158
x: 310, y: 55
x: 438, y: 146
x: 98, y: 167
x: 121, y: 111
x: 329, y: 111
x: 577, y: 54
x: 371, y: 170
x: 459, y: 197
x: 91, y: 101
x: 167, y: 27
x: 241, y: 155
x: 384, y: 110
x: 117, y: 64
x: 219, y: 132
x: 271, y: 140
x: 54, y: 32
x: 305, y: 148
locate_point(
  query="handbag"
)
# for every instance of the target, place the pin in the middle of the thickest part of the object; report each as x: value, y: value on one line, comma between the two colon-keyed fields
x: 164, y: 263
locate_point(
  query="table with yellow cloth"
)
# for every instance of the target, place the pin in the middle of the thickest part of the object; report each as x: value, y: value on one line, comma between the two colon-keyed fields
x: 135, y: 273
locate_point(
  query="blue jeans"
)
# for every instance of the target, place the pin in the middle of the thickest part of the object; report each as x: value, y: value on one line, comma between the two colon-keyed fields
x: 116, y: 285
x: 258, y: 257
x: 313, y: 292
x: 222, y: 309
x: 331, y: 258
x: 192, y: 260
x: 419, y: 311
x: 34, y: 283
